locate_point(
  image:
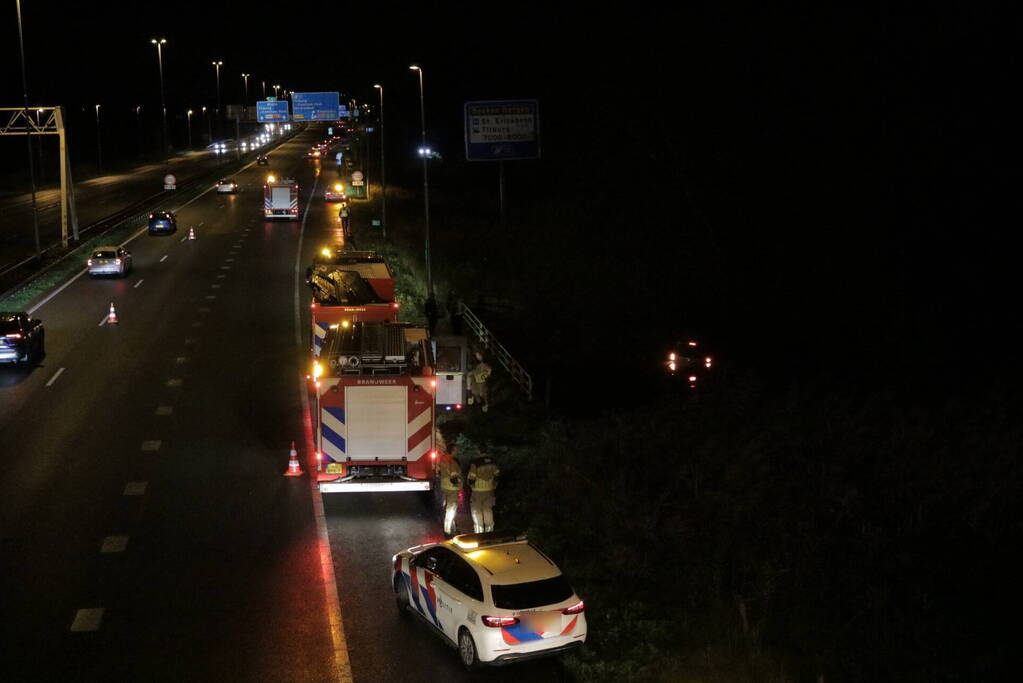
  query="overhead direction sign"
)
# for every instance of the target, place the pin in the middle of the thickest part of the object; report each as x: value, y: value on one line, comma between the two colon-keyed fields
x: 502, y: 130
x: 314, y: 106
x: 272, y: 111
x: 342, y: 111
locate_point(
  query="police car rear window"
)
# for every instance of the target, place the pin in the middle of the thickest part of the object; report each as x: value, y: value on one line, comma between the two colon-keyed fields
x: 532, y: 594
x: 8, y: 325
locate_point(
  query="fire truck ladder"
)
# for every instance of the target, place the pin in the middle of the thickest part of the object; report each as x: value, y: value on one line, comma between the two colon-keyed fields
x: 490, y: 342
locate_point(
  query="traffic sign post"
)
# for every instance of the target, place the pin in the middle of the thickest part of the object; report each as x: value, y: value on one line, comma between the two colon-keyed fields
x: 170, y: 182
x: 272, y: 111
x: 314, y: 106
x: 358, y: 185
x: 502, y: 130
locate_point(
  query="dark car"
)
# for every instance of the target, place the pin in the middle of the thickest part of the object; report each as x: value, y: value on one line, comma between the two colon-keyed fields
x: 22, y: 339
x: 263, y: 160
x: 162, y: 223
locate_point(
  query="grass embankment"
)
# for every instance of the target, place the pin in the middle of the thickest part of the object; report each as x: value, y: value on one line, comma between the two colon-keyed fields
x: 767, y: 532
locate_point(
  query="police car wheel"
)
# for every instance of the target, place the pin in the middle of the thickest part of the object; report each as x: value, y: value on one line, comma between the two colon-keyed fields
x: 401, y: 596
x: 467, y: 650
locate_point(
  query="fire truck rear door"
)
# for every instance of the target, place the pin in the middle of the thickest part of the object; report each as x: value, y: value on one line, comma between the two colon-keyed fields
x: 376, y: 418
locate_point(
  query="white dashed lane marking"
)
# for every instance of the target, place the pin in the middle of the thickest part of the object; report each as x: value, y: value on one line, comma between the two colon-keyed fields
x: 88, y: 619
x: 180, y: 360
x: 136, y: 285
x: 55, y: 376
x: 114, y: 544
x: 135, y: 488
x: 175, y: 382
x: 164, y: 410
x: 211, y: 296
x: 164, y: 258
x: 151, y: 445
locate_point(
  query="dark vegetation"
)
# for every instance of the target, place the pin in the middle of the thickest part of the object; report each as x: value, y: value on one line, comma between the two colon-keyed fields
x: 844, y: 504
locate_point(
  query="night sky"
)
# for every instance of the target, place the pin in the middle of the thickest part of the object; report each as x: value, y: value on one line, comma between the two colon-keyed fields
x: 844, y: 166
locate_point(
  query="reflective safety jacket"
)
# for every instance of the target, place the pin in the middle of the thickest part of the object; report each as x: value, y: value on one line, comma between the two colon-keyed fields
x: 450, y: 473
x: 483, y: 475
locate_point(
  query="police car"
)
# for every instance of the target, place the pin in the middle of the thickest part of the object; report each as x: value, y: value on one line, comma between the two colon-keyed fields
x: 493, y: 596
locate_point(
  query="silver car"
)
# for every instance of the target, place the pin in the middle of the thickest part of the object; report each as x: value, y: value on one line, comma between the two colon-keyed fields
x: 111, y: 260
x: 226, y: 186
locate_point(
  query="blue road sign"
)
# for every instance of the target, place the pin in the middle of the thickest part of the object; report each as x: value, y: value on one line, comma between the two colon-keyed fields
x: 314, y: 106
x: 272, y: 111
x: 502, y: 130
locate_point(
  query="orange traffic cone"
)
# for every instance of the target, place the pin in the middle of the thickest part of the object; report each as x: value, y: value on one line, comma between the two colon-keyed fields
x: 112, y: 316
x: 294, y: 468
x: 191, y: 233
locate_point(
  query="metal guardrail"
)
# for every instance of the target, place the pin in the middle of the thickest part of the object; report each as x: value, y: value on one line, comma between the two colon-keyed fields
x: 490, y: 342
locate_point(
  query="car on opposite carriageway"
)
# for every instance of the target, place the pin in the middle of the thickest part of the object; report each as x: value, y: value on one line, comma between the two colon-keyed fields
x: 493, y: 596
x: 22, y: 338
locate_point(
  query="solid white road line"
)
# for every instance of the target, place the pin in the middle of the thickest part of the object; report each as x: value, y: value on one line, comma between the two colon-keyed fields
x: 136, y: 285
x: 104, y: 320
x: 114, y: 544
x: 135, y: 488
x: 164, y: 258
x: 55, y: 376
x: 342, y: 662
x: 88, y: 619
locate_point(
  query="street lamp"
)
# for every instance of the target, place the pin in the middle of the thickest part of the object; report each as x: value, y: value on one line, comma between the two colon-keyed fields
x: 217, y: 65
x: 264, y: 89
x: 383, y: 173
x: 138, y: 126
x: 245, y: 104
x: 426, y: 182
x: 159, y: 43
x: 28, y: 136
x: 189, y: 114
x: 276, y: 88
x: 99, y: 148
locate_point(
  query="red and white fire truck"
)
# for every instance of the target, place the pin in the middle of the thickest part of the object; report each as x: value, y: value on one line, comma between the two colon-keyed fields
x: 375, y: 408
x: 280, y: 197
x: 349, y: 287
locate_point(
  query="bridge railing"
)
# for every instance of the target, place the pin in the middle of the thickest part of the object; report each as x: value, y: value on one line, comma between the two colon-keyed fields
x: 487, y: 339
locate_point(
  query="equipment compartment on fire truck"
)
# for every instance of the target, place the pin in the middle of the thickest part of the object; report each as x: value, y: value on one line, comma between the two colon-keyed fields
x: 375, y: 408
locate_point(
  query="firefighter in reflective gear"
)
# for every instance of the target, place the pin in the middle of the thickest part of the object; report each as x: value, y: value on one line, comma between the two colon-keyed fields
x: 450, y: 473
x: 483, y: 474
x: 478, y: 377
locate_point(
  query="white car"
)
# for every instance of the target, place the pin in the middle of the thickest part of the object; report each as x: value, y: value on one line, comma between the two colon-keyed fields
x: 226, y: 186
x: 493, y: 596
x: 112, y: 260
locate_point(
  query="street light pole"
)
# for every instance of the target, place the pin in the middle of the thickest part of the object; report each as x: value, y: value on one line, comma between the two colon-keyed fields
x: 426, y: 181
x: 276, y: 89
x: 245, y: 103
x: 383, y: 173
x: 209, y: 126
x: 189, y: 115
x: 28, y: 137
x: 163, y: 103
x: 138, y: 127
x: 264, y: 89
x: 220, y: 128
x: 99, y: 146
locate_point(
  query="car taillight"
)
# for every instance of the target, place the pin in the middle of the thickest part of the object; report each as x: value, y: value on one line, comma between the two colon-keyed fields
x: 496, y: 622
x: 395, y: 305
x: 14, y: 335
x: 707, y: 361
x: 575, y: 609
x: 117, y: 261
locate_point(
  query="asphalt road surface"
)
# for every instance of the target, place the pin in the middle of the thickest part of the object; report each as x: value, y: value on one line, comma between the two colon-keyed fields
x: 146, y: 530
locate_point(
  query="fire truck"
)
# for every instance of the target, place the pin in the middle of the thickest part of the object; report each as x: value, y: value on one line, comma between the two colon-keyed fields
x: 375, y: 405
x: 280, y: 197
x: 348, y: 287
